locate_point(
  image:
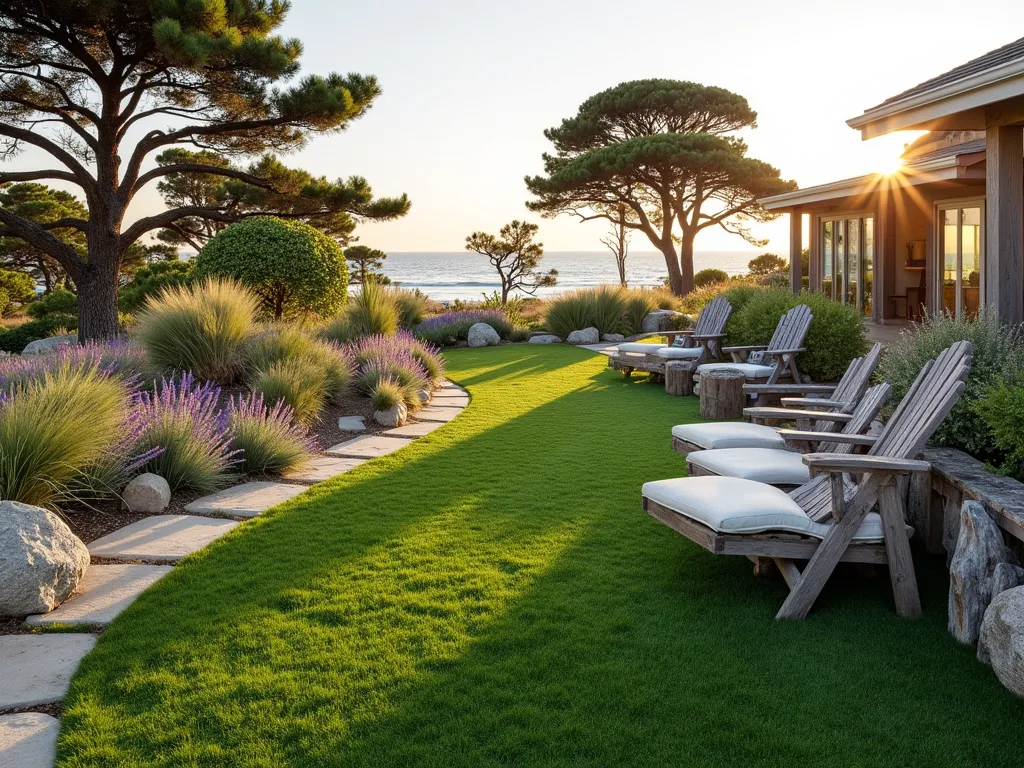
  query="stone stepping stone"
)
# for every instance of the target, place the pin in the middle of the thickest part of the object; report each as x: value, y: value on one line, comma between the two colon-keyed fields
x: 28, y: 740
x: 351, y: 424
x: 161, y: 538
x: 454, y: 399
x: 245, y: 500
x: 36, y: 669
x: 323, y: 468
x: 367, y: 447
x: 105, y: 591
x: 438, y: 413
x: 414, y: 429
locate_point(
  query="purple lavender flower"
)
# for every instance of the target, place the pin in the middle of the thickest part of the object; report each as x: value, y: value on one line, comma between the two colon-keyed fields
x: 269, y: 437
x: 452, y: 327
x: 119, y: 357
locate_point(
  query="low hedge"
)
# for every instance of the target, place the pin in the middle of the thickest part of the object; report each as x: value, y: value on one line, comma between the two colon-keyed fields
x: 15, y: 339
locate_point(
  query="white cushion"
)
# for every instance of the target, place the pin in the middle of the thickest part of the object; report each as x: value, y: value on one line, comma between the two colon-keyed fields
x: 765, y: 465
x: 731, y: 505
x: 729, y: 434
x: 639, y: 348
x: 749, y: 370
x: 678, y: 353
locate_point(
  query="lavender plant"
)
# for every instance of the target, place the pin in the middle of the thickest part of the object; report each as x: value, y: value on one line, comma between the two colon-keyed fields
x: 184, y: 419
x: 120, y: 358
x: 453, y: 327
x: 268, y: 437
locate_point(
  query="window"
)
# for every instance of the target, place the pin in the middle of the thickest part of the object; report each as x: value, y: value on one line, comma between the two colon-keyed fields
x: 961, y: 257
x: 848, y: 259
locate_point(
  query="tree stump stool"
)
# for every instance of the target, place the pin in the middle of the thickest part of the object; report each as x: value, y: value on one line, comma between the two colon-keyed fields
x: 678, y: 379
x: 721, y: 394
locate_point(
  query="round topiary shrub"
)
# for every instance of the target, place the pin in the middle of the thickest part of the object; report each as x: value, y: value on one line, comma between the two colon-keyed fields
x: 291, y: 266
x: 710, y: 276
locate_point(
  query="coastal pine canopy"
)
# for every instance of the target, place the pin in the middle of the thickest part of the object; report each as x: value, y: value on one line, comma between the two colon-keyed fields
x: 661, y: 149
x: 194, y: 80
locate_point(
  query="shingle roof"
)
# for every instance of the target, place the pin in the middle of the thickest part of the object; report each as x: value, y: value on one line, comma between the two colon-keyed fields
x: 990, y: 60
x: 967, y: 148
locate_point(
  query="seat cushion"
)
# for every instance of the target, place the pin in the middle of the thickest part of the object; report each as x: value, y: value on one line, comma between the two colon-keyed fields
x: 639, y: 348
x: 677, y: 353
x: 733, y: 505
x: 729, y: 434
x: 749, y: 370
x: 765, y: 465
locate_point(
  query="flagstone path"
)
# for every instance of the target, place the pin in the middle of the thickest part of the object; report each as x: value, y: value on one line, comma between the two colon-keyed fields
x: 36, y: 669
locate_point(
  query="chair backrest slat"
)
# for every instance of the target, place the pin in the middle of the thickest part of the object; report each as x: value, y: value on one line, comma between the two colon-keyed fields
x: 865, y: 412
x: 792, y: 328
x: 713, y: 317
x: 851, y: 387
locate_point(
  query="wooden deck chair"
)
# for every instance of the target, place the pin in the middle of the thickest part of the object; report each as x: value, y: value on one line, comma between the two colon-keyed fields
x: 691, y: 347
x: 807, y: 413
x: 777, y: 359
x: 784, y: 467
x: 837, y: 396
x: 828, y: 519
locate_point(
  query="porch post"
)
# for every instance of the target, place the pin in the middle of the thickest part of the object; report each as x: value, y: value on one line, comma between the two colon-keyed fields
x: 885, y: 257
x: 1004, y: 219
x: 814, y: 268
x: 796, y: 233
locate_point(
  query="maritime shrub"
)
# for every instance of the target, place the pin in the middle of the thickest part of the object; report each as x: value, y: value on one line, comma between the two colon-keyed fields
x: 183, y: 418
x: 148, y: 281
x: 710, y: 276
x: 201, y: 328
x: 450, y: 328
x: 16, y: 338
x: 976, y: 421
x: 836, y: 335
x: 291, y: 266
x: 53, y: 427
x: 268, y: 438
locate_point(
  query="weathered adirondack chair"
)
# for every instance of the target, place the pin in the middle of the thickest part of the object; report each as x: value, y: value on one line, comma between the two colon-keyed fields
x: 828, y: 519
x: 778, y: 357
x: 691, y: 347
x: 808, y: 413
x: 784, y: 467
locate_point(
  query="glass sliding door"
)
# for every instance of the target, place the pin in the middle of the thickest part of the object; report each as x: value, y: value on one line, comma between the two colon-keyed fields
x: 961, y: 257
x: 848, y: 260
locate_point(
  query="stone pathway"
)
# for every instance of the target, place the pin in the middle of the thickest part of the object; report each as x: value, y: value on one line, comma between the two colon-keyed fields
x: 245, y: 500
x: 28, y: 740
x: 105, y: 591
x: 161, y: 538
x: 36, y: 669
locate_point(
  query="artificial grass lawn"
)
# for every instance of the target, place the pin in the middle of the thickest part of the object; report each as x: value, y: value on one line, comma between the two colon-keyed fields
x: 493, y: 595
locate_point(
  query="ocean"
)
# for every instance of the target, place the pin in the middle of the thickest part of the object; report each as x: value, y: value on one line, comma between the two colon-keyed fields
x: 468, y: 276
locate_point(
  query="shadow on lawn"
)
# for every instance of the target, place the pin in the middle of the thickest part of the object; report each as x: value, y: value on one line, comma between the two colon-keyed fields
x: 494, y: 595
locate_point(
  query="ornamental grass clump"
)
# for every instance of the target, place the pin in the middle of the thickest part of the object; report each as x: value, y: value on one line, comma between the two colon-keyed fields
x: 268, y: 438
x: 452, y: 327
x: 998, y: 358
x: 372, y: 311
x: 53, y: 427
x: 200, y: 328
x: 298, y: 382
x: 183, y: 417
x: 386, y: 394
x: 288, y: 342
x: 411, y: 306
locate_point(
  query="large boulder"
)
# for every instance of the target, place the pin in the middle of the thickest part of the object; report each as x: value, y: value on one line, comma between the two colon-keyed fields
x: 612, y: 338
x: 1001, y: 643
x: 660, y: 320
x: 42, y: 346
x: 483, y: 335
x: 147, y: 493
x: 395, y: 416
x: 1006, y: 576
x: 41, y: 560
x: 979, y: 549
x: 546, y: 338
x: 586, y: 336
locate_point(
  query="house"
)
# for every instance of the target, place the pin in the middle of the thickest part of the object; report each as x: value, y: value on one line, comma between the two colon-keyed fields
x: 946, y: 231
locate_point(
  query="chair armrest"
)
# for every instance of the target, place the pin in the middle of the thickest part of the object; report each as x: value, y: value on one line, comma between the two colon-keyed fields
x: 792, y: 414
x: 789, y: 389
x: 799, y: 435
x: 847, y: 462
x: 709, y: 335
x: 812, y: 402
x: 774, y: 352
x: 753, y: 348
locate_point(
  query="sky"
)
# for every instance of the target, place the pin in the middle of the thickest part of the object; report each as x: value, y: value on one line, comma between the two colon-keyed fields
x: 469, y: 87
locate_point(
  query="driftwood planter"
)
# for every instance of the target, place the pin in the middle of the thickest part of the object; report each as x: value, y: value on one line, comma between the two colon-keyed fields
x: 679, y: 378
x: 721, y: 394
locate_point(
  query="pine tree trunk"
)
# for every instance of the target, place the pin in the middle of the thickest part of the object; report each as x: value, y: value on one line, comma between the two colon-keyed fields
x: 686, y: 264
x: 675, y: 278
x: 97, y: 299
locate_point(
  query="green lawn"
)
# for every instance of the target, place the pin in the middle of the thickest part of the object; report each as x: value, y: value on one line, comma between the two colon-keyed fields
x: 494, y: 595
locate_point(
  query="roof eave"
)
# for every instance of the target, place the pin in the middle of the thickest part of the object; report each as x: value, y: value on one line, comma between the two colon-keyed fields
x: 962, y: 96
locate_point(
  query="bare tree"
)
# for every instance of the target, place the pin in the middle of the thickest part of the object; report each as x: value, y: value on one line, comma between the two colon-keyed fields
x: 516, y: 257
x: 617, y: 241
